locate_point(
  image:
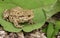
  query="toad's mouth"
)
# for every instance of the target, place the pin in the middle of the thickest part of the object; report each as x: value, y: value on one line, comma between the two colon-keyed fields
x: 26, y: 18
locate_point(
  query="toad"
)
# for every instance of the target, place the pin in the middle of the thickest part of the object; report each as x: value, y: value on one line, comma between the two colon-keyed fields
x: 18, y: 15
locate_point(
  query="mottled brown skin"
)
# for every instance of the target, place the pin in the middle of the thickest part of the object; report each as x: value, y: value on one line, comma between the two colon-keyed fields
x: 18, y: 15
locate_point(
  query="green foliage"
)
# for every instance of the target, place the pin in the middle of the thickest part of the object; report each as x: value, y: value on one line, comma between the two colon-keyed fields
x: 34, y: 3
x: 41, y: 8
x: 57, y: 27
x: 57, y: 23
x: 50, y: 30
x: 53, y: 9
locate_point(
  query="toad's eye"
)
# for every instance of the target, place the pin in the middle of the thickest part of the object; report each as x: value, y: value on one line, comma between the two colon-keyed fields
x: 29, y: 15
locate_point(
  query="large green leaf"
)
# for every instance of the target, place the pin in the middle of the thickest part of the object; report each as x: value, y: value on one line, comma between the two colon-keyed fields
x: 28, y: 3
x: 9, y: 26
x: 34, y: 3
x: 6, y: 5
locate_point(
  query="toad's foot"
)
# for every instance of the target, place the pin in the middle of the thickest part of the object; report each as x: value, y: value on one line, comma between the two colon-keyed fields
x: 31, y: 22
x: 19, y: 26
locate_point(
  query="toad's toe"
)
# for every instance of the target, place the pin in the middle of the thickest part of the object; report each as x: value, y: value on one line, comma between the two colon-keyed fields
x: 19, y: 26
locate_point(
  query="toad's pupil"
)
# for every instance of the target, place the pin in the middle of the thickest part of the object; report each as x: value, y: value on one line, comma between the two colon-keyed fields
x: 29, y: 15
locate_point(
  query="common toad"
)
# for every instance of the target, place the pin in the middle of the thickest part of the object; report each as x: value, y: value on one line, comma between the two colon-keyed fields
x: 18, y: 15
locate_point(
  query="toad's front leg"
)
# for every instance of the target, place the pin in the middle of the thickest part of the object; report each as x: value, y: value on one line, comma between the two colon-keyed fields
x: 16, y: 24
x: 31, y: 22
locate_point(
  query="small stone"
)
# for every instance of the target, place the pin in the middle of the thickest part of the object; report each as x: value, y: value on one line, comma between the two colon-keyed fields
x: 2, y: 34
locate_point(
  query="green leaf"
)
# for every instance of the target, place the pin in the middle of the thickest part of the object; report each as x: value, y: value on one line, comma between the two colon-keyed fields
x: 53, y: 10
x: 8, y: 26
x: 6, y: 5
x: 34, y: 3
x: 28, y: 3
x: 50, y: 30
x: 8, y: 1
x: 55, y: 33
x: 49, y: 4
x: 57, y: 25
